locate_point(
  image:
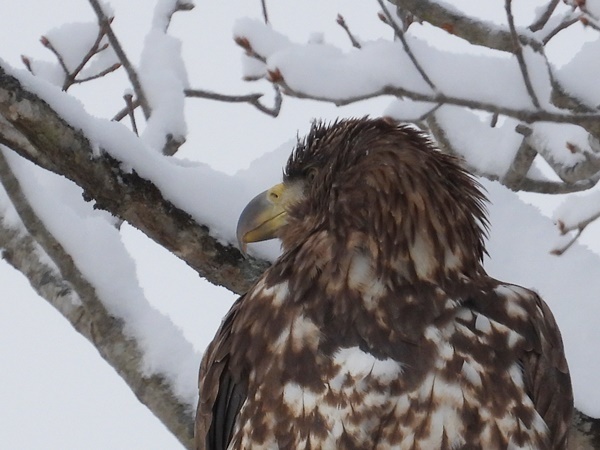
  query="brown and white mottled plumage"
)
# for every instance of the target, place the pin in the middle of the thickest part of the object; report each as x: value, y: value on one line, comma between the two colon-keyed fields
x: 378, y: 327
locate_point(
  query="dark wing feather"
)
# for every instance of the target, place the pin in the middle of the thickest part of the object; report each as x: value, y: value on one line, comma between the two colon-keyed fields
x: 221, y: 392
x: 545, y: 371
x: 547, y: 376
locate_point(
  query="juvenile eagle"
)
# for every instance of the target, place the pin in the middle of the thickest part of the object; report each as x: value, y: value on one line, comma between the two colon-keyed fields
x: 378, y: 327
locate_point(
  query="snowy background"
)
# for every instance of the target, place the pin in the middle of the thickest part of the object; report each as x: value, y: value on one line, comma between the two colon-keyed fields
x: 55, y: 392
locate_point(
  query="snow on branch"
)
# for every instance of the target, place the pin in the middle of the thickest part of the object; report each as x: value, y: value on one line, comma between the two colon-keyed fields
x: 30, y: 247
x: 40, y: 134
x: 81, y: 60
x: 507, y: 83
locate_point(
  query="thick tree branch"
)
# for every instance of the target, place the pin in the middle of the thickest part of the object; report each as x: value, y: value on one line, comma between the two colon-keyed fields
x: 522, y: 162
x: 47, y: 140
x: 473, y: 30
x: 75, y: 298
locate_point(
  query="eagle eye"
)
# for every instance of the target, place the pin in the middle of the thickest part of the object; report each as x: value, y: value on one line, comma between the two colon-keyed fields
x: 311, y: 174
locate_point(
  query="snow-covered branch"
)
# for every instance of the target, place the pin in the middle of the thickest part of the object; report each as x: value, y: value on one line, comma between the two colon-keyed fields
x: 443, y: 84
x: 42, y: 136
x: 31, y: 249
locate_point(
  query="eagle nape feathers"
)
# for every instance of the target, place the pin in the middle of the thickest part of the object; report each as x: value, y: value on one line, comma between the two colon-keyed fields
x: 378, y: 327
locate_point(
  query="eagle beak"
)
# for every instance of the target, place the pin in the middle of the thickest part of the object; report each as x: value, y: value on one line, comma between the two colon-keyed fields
x: 263, y: 216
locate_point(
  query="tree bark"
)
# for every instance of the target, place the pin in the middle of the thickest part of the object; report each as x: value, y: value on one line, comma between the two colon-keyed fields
x: 43, y: 137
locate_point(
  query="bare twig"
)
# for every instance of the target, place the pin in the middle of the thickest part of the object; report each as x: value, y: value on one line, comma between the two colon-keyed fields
x: 71, y: 75
x: 428, y: 113
x: 578, y: 227
x: 263, y: 4
x: 100, y: 74
x: 104, y: 22
x: 494, y: 120
x: 245, y: 44
x: 400, y: 34
x: 518, y: 51
x: 342, y: 23
x: 560, y: 250
x: 46, y: 43
x: 543, y: 18
x: 561, y: 26
x: 130, y: 112
x: 94, y: 49
x: 252, y: 99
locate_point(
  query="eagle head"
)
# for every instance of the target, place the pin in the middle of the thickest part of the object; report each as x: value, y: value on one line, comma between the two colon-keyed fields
x: 378, y: 189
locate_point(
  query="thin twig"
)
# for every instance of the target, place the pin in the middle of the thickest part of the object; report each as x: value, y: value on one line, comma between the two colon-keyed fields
x: 494, y: 120
x: 94, y: 49
x: 104, y: 21
x: 425, y: 115
x: 263, y: 4
x: 561, y: 250
x: 407, y: 49
x: 46, y: 43
x: 100, y: 74
x: 253, y: 99
x: 130, y: 112
x: 342, y: 23
x: 519, y: 54
x: 579, y: 227
x: 543, y: 18
x: 561, y: 26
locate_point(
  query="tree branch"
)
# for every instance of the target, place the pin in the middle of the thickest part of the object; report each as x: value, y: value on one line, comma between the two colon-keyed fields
x: 252, y: 99
x: 50, y: 142
x: 473, y: 30
x: 104, y: 23
x: 342, y: 23
x: 75, y: 298
x: 543, y: 18
x: 522, y: 162
x: 400, y: 34
x: 524, y: 115
x: 518, y: 51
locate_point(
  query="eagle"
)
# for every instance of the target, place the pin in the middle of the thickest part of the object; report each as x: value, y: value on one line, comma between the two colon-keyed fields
x: 378, y: 327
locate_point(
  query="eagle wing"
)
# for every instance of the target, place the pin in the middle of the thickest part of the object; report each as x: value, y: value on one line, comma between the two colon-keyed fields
x: 547, y: 378
x: 222, y: 394
x: 545, y: 371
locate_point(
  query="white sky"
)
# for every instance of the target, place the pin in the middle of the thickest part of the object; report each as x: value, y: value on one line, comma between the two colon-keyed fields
x: 55, y: 392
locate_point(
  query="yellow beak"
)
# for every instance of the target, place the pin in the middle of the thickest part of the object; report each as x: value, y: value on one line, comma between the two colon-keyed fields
x: 263, y: 216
